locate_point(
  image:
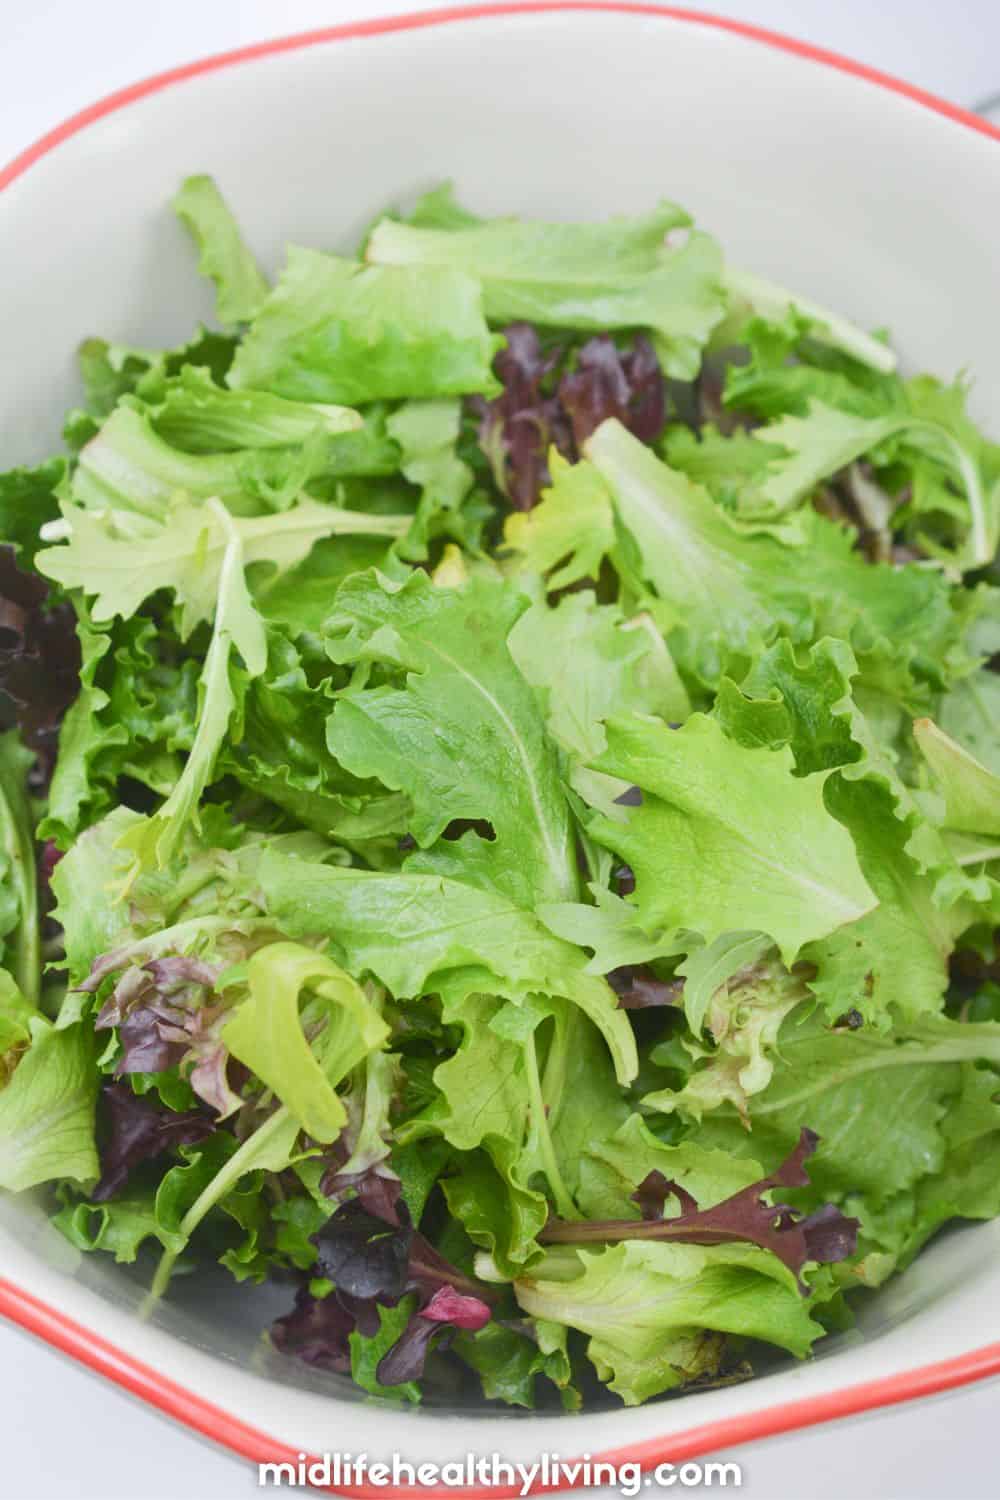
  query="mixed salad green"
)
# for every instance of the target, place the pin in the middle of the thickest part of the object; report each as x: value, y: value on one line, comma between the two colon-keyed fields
x: 498, y: 805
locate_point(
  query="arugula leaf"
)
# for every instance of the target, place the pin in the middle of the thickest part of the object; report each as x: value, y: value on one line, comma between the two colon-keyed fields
x: 240, y: 286
x: 333, y: 330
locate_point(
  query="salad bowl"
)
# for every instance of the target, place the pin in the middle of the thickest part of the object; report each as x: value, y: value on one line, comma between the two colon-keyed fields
x: 851, y: 188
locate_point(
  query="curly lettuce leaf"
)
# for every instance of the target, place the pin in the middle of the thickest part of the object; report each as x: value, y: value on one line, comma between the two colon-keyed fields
x: 649, y: 1310
x: 411, y: 929
x: 588, y: 663
x: 464, y: 711
x: 122, y: 565
x: 570, y: 532
x: 728, y: 588
x: 727, y: 839
x: 878, y: 1102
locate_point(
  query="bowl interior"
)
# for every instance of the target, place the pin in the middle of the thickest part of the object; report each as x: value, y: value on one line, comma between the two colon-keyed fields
x: 817, y: 179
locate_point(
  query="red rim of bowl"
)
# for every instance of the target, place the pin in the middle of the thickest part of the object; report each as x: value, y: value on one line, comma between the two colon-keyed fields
x: 202, y: 1416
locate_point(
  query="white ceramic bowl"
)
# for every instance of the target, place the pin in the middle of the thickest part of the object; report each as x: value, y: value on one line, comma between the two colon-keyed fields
x: 848, y: 187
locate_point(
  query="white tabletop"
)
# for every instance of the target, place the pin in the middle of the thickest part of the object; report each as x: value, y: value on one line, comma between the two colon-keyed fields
x: 63, y: 1433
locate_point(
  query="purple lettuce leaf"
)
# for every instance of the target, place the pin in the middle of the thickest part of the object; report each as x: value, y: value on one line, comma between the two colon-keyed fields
x: 552, y: 397
x: 365, y: 1256
x: 608, y: 383
x: 824, y: 1236
x: 653, y: 1192
x: 317, y: 1331
x: 374, y: 1256
x: 638, y: 988
x: 446, y: 1311
x: 165, y: 1019
x: 39, y: 661
x: 139, y: 1130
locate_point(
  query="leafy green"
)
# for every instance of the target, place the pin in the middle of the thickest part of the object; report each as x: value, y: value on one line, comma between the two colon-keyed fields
x: 19, y: 916
x: 240, y: 286
x: 333, y: 330
x: 645, y: 1308
x: 572, y: 526
x: 199, y: 416
x: 464, y: 711
x: 726, y: 838
x: 27, y: 503
x: 47, y: 1110
x: 619, y: 274
x: 407, y: 928
x: 474, y: 916
x: 971, y: 791
x: 265, y: 1031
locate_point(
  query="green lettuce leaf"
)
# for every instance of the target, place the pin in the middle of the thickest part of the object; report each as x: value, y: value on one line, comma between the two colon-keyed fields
x: 196, y: 415
x: 744, y: 1017
x: 427, y: 433
x: 410, y: 929
x: 724, y: 584
x: 336, y: 331
x: 573, y: 526
x: 123, y: 566
x: 971, y: 791
x: 876, y: 1101
x: 728, y: 839
x: 19, y: 914
x: 774, y: 303
x: 240, y: 286
x: 465, y: 710
x: 645, y: 1308
x: 265, y: 1032
x: 970, y: 714
x: 27, y: 503
x: 47, y: 1110
x: 588, y: 663
x: 619, y: 274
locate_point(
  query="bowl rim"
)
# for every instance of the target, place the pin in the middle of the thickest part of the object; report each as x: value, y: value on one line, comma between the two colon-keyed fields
x: 89, y: 1348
